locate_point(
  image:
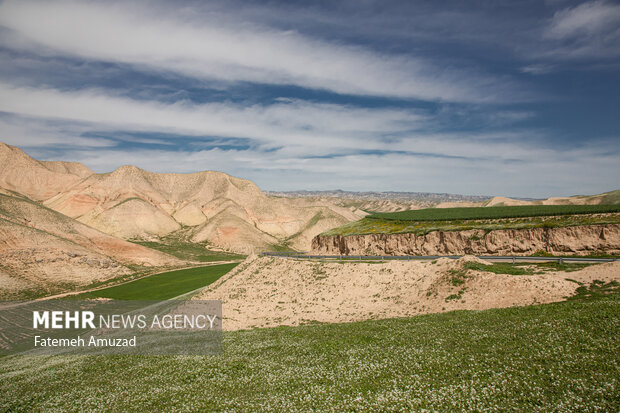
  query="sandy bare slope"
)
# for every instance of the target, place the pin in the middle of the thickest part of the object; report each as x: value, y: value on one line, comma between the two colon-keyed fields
x: 361, y: 205
x: 41, y: 249
x: 35, y: 216
x: 131, y: 203
x: 612, y: 197
x: 266, y: 292
x: 37, y: 180
x: 39, y: 261
x: 223, y: 210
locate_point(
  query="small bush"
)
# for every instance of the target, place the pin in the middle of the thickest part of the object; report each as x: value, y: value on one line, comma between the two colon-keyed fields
x: 457, y: 277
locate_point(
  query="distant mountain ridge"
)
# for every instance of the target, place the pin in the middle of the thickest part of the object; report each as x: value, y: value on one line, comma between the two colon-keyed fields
x: 373, y: 195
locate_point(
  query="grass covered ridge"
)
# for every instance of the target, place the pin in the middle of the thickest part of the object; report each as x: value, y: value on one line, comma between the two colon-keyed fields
x: 368, y: 225
x: 562, y: 356
x: 496, y: 212
x: 525, y: 268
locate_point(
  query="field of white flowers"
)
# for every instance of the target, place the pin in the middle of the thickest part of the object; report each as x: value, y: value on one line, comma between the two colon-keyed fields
x: 556, y: 357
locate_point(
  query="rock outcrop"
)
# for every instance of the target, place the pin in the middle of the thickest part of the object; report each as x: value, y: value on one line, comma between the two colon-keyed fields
x: 579, y: 240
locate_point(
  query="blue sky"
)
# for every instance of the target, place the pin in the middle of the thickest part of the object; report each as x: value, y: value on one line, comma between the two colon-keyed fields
x: 516, y: 98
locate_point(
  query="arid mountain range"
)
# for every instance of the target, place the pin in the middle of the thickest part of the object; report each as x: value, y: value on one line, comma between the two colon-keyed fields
x: 213, y: 207
x: 382, y: 201
x: 63, y: 226
x: 400, y: 201
x: 134, y: 204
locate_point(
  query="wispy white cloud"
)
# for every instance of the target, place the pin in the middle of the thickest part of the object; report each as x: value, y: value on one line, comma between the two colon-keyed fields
x: 539, y: 175
x: 295, y: 144
x: 591, y: 29
x: 168, y: 40
x: 537, y: 69
x: 588, y: 18
x: 292, y: 123
x: 291, y: 142
x: 298, y: 128
x: 40, y: 133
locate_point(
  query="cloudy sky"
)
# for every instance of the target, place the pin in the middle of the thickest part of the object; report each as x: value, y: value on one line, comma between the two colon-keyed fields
x: 517, y: 98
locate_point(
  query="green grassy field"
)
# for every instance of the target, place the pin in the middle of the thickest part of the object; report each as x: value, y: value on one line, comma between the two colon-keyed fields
x: 391, y: 226
x: 164, y: 285
x: 498, y: 212
x: 526, y: 268
x: 555, y: 357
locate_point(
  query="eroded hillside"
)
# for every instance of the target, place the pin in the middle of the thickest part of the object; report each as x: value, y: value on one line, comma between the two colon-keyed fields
x: 578, y: 240
x: 209, y: 206
x: 204, y: 207
x: 256, y: 294
x: 42, y: 251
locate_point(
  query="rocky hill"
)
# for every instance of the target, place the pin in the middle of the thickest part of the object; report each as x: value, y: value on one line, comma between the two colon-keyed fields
x: 37, y: 180
x: 135, y: 204
x: 225, y: 211
x: 42, y: 250
x: 401, y: 201
x: 612, y: 197
x: 384, y: 201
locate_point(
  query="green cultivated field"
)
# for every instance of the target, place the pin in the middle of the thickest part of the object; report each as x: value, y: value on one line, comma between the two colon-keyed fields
x: 164, y: 285
x: 375, y: 225
x: 529, y: 268
x: 555, y: 357
x: 498, y: 212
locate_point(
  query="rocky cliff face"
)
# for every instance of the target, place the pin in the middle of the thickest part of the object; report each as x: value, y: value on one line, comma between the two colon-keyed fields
x: 581, y: 240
